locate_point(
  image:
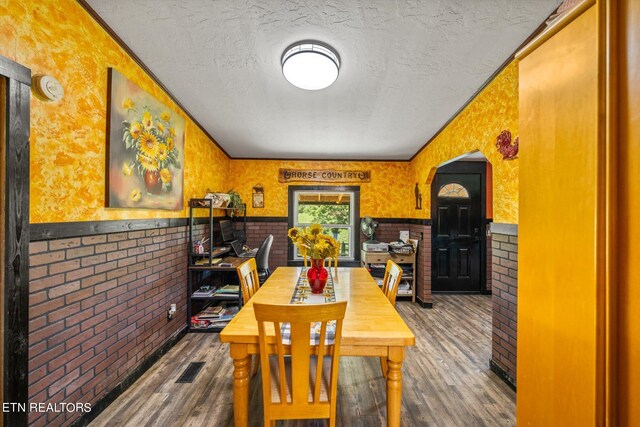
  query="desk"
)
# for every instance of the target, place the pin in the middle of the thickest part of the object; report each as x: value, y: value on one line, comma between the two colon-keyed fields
x: 371, y: 327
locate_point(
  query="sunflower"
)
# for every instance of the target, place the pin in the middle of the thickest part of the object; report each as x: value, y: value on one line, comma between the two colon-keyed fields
x: 147, y: 120
x: 172, y: 132
x: 160, y: 127
x: 315, y: 229
x: 162, y: 152
x: 165, y: 175
x: 170, y: 144
x: 127, y: 169
x: 147, y: 163
x: 149, y: 145
x: 165, y: 116
x: 135, y: 130
x: 293, y: 233
x: 128, y: 104
x: 135, y: 195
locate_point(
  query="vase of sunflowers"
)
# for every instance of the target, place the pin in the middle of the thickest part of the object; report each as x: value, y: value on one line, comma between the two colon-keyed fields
x: 312, y: 243
x: 152, y: 140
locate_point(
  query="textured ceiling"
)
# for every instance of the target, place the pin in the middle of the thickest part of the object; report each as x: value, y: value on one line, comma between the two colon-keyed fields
x: 407, y: 67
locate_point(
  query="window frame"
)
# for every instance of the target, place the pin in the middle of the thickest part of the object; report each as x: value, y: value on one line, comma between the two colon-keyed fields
x: 354, y: 248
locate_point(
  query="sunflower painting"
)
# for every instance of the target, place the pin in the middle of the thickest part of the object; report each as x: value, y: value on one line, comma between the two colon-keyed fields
x: 145, y: 149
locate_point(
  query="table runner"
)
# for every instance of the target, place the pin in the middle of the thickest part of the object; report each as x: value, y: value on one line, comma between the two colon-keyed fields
x: 302, y: 295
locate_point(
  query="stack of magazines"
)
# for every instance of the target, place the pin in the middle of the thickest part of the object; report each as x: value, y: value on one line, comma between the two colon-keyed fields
x: 213, y: 317
x: 204, y: 292
x: 230, y: 291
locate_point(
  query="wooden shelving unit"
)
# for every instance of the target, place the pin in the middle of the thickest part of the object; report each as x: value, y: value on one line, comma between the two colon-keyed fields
x: 202, y: 269
x: 381, y: 258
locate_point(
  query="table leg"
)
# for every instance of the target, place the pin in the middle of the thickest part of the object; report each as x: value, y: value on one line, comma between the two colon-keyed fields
x: 394, y: 385
x: 241, y: 368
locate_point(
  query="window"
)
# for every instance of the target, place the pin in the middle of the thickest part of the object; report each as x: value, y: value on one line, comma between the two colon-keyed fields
x: 334, y: 210
x: 453, y: 190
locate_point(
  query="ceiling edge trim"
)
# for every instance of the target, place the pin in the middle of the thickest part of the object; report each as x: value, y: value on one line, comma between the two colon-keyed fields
x: 541, y: 28
x: 146, y: 69
x: 303, y: 159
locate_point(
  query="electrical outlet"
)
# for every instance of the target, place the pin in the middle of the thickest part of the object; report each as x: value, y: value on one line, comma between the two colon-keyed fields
x: 172, y: 310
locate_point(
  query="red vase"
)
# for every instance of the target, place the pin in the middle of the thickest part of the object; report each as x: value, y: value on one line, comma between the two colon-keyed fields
x: 317, y: 276
x: 152, y: 182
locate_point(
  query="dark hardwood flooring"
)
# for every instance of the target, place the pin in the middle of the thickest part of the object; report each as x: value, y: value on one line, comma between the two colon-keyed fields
x: 447, y: 381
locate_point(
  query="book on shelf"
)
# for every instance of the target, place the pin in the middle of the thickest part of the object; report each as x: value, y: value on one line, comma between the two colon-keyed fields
x: 205, y: 261
x: 211, y: 312
x: 204, y: 291
x: 200, y: 321
x: 228, y: 289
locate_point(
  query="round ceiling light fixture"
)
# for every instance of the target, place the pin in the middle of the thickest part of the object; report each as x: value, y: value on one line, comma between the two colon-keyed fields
x: 310, y: 65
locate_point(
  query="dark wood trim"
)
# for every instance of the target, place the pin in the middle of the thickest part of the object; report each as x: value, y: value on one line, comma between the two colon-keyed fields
x: 267, y: 219
x: 97, y: 408
x: 16, y: 224
x: 417, y: 221
x: 63, y: 230
x: 146, y: 69
x: 423, y: 304
x: 14, y: 71
x: 356, y: 213
x: 504, y: 376
x: 501, y: 68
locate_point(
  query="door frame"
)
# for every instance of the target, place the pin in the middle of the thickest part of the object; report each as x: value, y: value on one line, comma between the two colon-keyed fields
x: 15, y: 313
x: 462, y: 167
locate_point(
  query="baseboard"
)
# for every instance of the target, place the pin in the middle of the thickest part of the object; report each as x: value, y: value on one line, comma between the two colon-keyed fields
x: 504, y: 376
x: 102, y: 404
x: 424, y: 304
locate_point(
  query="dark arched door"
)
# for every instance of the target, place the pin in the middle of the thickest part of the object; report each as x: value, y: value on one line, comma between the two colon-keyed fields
x: 458, y: 233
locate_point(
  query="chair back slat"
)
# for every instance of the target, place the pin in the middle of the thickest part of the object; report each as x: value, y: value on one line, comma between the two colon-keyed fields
x: 300, y: 344
x: 280, y: 354
x: 248, y: 277
x: 391, y: 281
x: 320, y: 361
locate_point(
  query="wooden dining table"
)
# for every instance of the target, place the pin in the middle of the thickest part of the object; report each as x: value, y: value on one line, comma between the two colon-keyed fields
x: 372, y: 327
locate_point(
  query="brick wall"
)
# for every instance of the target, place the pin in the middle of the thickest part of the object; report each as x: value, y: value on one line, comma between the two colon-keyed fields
x: 257, y: 231
x: 423, y: 261
x: 505, y: 297
x: 97, y: 310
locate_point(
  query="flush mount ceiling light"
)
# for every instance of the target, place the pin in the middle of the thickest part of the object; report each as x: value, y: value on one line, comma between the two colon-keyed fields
x: 310, y: 65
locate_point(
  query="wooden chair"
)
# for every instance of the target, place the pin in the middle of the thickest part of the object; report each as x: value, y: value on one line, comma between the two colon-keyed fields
x: 392, y: 276
x: 333, y: 261
x: 248, y: 277
x: 302, y: 386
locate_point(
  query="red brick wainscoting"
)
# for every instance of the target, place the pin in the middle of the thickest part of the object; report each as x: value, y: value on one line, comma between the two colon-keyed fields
x: 98, y: 309
x: 259, y: 228
x: 505, y: 298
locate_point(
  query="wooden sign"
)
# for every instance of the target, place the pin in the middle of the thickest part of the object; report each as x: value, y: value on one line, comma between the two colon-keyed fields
x: 323, y: 175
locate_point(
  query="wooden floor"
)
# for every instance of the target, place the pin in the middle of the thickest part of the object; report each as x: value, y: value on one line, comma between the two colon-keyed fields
x: 447, y: 381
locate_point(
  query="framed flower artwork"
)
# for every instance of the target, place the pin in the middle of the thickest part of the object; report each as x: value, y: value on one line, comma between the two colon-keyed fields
x: 145, y: 149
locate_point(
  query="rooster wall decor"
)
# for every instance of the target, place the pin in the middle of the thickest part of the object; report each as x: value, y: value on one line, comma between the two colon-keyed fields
x: 503, y: 143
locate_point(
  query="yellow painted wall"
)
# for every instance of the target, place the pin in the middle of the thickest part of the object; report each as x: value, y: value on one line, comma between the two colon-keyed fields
x: 390, y: 194
x: 560, y: 285
x: 68, y: 140
x: 476, y: 128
